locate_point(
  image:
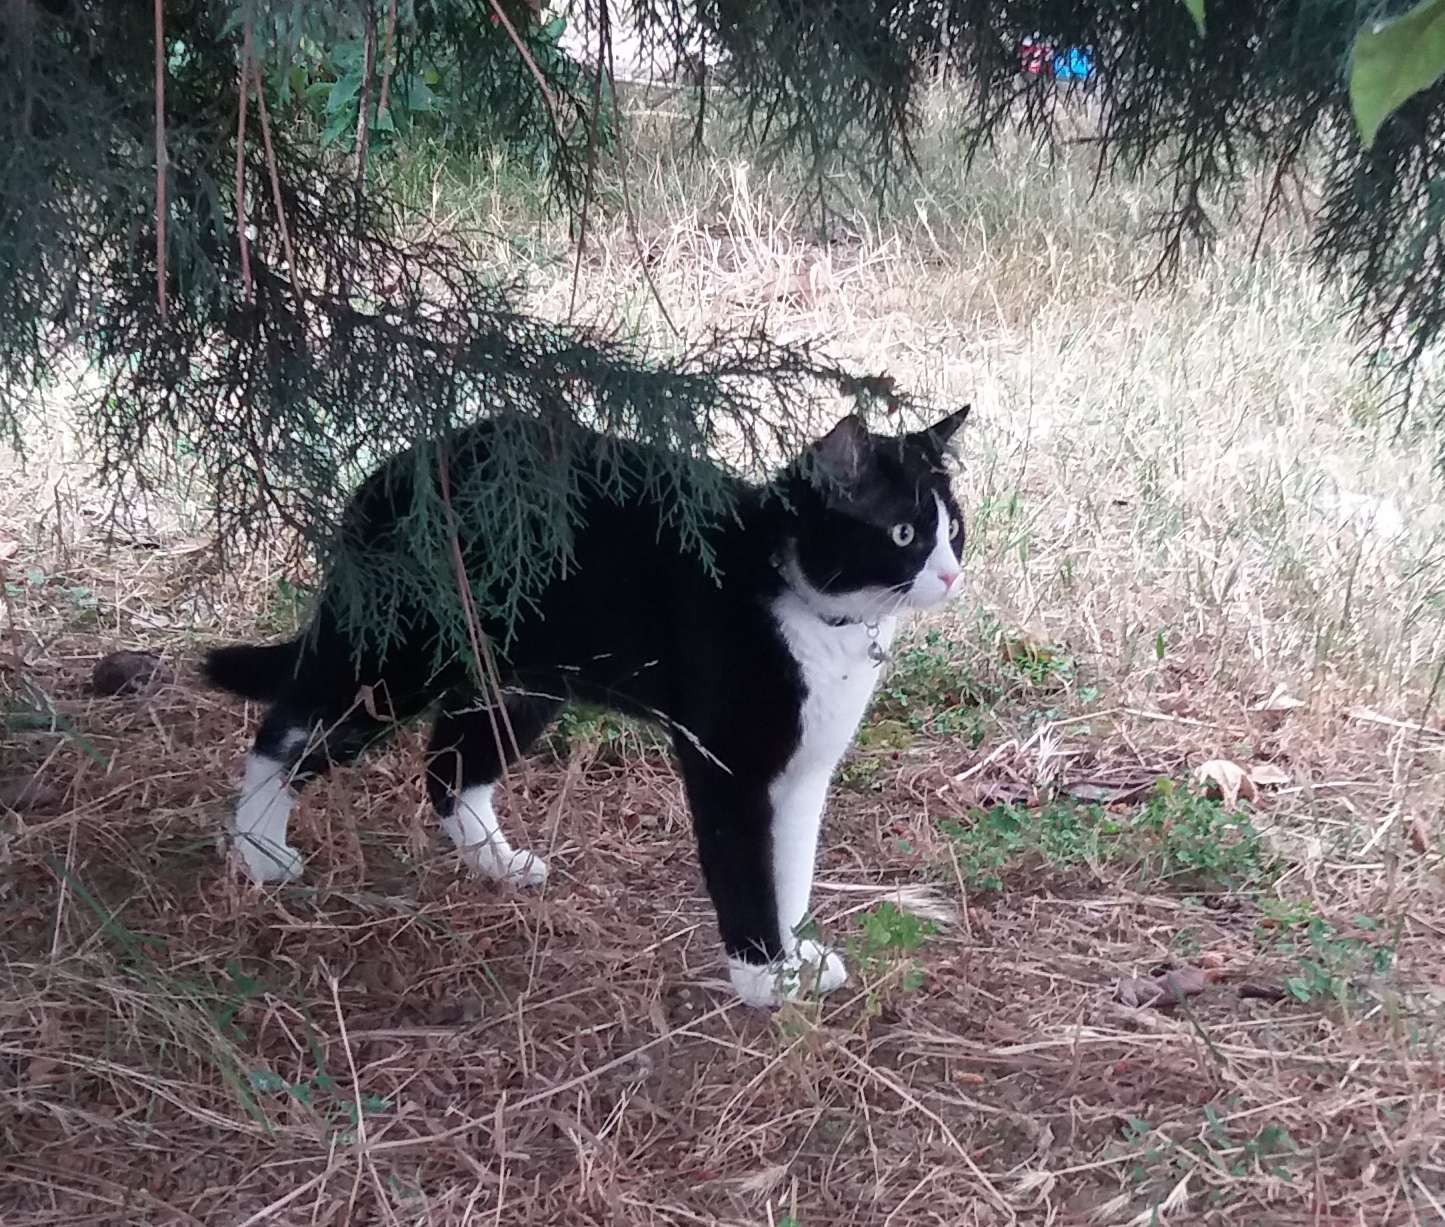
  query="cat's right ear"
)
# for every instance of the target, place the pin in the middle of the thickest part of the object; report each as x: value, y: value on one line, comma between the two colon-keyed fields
x: 842, y: 454
x: 939, y: 437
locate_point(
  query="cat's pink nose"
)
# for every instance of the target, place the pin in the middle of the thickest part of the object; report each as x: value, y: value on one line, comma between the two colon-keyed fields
x: 948, y: 577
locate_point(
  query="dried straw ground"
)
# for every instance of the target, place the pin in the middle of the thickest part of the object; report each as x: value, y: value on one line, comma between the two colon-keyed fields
x: 1193, y: 538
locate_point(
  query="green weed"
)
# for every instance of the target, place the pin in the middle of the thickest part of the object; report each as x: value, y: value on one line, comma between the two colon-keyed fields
x: 608, y: 734
x: 1235, y: 1149
x: 1333, y: 964
x: 26, y: 708
x: 1042, y: 666
x: 1177, y: 835
x: 286, y: 611
x: 191, y: 1009
x: 78, y: 603
x: 888, y: 940
x: 339, y: 1110
x: 931, y: 691
x: 1187, y: 836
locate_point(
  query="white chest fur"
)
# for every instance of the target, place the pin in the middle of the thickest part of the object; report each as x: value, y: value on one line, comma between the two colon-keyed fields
x: 838, y: 675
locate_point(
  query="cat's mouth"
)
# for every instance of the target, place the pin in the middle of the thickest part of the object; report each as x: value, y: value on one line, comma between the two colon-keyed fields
x: 931, y: 589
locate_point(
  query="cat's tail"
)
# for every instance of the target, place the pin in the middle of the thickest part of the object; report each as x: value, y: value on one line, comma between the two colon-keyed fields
x: 254, y: 671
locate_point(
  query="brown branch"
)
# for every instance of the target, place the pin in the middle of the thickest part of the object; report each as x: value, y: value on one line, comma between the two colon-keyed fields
x: 388, y: 65
x: 247, y: 290
x: 627, y: 196
x: 604, y: 44
x: 487, y: 670
x: 363, y: 110
x: 275, y: 181
x: 506, y: 23
x: 160, y: 28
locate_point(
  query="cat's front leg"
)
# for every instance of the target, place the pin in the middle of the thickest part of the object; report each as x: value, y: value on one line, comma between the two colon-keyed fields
x: 757, y: 845
x: 797, y: 799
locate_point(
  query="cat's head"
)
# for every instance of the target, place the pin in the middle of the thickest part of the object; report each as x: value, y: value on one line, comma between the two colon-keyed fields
x: 877, y: 529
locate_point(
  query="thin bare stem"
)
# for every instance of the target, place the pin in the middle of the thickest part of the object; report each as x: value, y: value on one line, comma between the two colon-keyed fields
x: 160, y: 32
x: 627, y: 200
x: 275, y: 182
x: 247, y: 289
x: 363, y: 110
x: 604, y: 43
x: 506, y: 23
x: 388, y: 65
x: 481, y: 649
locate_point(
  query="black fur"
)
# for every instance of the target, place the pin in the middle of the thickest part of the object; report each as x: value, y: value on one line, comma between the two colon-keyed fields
x: 253, y: 671
x: 637, y: 626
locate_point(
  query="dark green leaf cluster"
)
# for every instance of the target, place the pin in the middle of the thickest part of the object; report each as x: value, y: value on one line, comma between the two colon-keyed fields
x: 302, y: 345
x: 1263, y: 88
x: 286, y: 369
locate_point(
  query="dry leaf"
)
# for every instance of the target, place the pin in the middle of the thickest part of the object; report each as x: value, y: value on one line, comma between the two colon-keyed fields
x: 1263, y: 992
x: 1030, y: 644
x: 1104, y: 794
x: 763, y: 1181
x: 1420, y: 838
x: 1370, y: 716
x: 1267, y: 775
x: 1279, y: 700
x: 1164, y: 991
x: 8, y: 548
x: 1225, y: 781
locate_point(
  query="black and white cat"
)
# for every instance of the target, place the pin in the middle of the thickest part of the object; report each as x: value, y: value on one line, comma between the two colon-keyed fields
x: 761, y: 670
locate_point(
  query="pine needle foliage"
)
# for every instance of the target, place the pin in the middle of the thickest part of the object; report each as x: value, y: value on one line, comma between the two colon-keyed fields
x: 288, y: 328
x: 281, y: 374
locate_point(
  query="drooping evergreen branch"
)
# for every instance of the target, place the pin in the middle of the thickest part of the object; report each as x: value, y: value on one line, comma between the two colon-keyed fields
x: 288, y: 364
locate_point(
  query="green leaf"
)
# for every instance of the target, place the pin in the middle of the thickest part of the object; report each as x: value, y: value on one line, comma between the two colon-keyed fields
x: 340, y: 124
x: 1394, y: 60
x: 419, y: 96
x: 1196, y: 10
x: 265, y: 1080
x: 343, y: 93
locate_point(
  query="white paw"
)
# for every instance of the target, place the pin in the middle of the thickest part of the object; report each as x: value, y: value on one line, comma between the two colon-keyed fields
x: 514, y: 865
x: 822, y: 969
x: 811, y: 969
x: 268, y: 863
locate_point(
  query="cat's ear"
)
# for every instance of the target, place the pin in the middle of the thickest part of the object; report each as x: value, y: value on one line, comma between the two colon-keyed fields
x: 938, y: 436
x: 842, y: 454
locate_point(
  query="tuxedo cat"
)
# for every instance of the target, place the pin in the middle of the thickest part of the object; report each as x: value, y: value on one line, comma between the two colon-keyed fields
x: 760, y: 669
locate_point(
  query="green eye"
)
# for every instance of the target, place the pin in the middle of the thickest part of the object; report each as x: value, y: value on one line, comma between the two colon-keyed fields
x: 902, y: 534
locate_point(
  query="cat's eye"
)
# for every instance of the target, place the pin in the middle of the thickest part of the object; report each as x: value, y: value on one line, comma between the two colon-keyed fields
x: 954, y: 528
x: 902, y: 534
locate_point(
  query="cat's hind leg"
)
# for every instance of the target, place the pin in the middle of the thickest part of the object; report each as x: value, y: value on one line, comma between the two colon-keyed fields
x: 294, y: 744
x: 263, y: 810
x: 470, y: 748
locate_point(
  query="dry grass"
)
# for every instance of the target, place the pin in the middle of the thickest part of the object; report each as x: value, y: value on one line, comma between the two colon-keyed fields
x: 1181, y: 504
